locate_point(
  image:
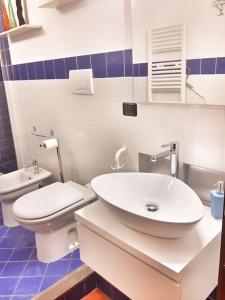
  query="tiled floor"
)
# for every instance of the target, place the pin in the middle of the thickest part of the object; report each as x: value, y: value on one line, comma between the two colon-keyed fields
x: 21, y: 275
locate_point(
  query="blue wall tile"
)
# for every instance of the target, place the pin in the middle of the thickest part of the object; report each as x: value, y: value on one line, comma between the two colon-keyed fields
x: 110, y: 64
x: 128, y: 59
x: 3, y: 59
x: 220, y: 65
x: 49, y: 69
x: 5, y: 42
x: 115, y: 64
x: 118, y: 295
x: 9, y: 166
x: 84, y: 62
x: 16, y: 72
x: 7, y: 57
x: 98, y: 62
x: 208, y: 66
x: 143, y: 69
x: 1, y: 38
x: 104, y: 286
x: 136, y: 70
x: 10, y: 72
x: 39, y: 68
x: 193, y: 66
x: 76, y: 292
x: 70, y: 64
x: 5, y: 73
x: 31, y: 71
x: 213, y: 294
x: 1, y: 19
x: 59, y: 65
x: 1, y: 77
x: 23, y: 72
x: 90, y: 283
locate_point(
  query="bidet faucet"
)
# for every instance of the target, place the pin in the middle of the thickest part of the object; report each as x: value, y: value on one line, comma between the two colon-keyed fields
x: 33, y: 163
x: 173, y: 152
x: 35, y: 166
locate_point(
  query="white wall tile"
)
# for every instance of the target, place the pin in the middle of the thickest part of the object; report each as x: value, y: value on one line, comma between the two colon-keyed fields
x: 91, y: 128
x: 83, y: 27
x: 208, y: 137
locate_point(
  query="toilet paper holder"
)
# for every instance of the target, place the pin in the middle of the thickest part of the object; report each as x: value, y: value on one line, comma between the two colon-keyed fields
x: 35, y: 133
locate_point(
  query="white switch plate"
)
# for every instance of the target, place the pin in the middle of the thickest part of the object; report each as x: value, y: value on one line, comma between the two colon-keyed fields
x: 81, y: 82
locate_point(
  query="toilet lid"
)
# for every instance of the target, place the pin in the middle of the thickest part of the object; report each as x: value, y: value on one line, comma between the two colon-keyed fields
x: 46, y: 201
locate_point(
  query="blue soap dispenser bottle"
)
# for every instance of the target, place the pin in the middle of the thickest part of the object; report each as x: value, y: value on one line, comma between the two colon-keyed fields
x: 217, y: 200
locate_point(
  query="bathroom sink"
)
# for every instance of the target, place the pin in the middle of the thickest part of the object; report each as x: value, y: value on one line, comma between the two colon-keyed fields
x: 16, y: 184
x: 155, y: 204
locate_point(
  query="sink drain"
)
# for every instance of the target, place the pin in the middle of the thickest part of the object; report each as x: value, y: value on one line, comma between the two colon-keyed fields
x: 152, y: 207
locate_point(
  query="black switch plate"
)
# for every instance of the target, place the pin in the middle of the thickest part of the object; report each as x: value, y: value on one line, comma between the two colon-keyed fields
x: 130, y: 109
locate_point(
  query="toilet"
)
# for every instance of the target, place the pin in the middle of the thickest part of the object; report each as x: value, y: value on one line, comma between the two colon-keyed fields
x: 49, y: 212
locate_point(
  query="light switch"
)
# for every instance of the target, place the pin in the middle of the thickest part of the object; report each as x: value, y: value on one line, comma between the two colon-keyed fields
x: 81, y: 82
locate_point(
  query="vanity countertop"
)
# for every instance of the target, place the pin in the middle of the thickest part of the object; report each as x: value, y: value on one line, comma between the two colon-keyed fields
x: 171, y: 257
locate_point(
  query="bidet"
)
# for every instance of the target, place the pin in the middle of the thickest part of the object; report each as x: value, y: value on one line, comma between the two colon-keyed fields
x: 16, y: 184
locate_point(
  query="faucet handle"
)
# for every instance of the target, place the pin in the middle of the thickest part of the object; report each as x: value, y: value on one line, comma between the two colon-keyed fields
x: 34, y: 162
x: 173, y: 145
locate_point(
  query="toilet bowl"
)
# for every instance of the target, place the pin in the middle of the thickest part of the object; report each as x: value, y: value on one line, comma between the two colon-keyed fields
x: 49, y: 212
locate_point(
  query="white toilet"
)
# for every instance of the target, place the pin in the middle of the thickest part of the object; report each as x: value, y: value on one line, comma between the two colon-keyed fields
x: 49, y: 212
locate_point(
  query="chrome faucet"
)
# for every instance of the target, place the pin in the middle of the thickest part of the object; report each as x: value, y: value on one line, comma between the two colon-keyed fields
x: 173, y: 152
x: 35, y: 166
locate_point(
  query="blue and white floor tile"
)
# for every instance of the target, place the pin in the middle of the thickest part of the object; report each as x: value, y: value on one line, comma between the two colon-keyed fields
x: 22, y: 276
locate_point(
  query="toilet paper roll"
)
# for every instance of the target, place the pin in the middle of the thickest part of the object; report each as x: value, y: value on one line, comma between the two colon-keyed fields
x: 49, y: 144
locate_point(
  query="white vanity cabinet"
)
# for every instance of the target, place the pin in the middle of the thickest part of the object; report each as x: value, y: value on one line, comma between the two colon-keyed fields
x: 149, y: 268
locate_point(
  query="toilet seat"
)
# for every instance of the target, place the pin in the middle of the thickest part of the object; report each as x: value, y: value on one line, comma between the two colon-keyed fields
x: 46, y: 201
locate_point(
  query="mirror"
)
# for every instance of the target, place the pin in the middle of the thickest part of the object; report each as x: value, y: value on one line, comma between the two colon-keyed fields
x: 179, y: 51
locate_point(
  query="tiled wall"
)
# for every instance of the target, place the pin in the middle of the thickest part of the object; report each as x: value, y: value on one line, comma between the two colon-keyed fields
x: 8, y: 161
x: 7, y: 152
x: 104, y: 65
x: 207, y: 66
x: 91, y: 128
x: 202, y: 43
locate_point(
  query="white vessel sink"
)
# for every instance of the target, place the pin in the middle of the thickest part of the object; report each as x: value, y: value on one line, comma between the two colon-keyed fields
x: 14, y: 185
x: 155, y: 204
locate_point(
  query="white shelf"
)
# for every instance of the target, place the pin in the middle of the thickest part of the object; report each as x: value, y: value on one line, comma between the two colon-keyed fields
x: 54, y: 3
x: 20, y: 30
